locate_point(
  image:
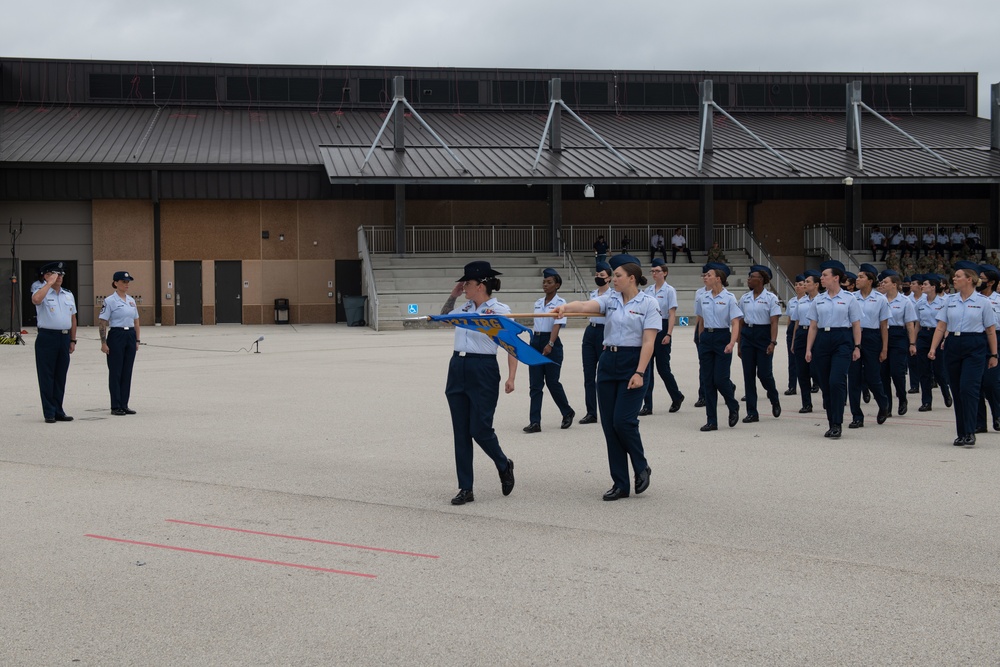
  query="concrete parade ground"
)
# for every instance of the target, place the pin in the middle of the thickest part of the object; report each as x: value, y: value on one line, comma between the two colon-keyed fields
x: 292, y: 508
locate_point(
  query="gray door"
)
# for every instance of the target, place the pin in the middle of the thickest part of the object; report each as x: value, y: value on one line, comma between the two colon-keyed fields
x: 187, y: 292
x: 229, y: 292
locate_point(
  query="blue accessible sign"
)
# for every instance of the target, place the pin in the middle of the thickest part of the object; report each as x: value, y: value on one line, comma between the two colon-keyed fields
x: 412, y: 309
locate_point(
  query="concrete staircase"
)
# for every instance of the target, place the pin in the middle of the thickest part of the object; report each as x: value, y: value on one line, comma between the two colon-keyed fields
x: 425, y: 281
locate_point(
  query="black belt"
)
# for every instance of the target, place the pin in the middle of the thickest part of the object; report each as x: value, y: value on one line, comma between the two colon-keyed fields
x: 620, y: 348
x: 716, y: 329
x: 804, y: 327
x: 834, y: 328
x: 751, y: 326
x: 897, y: 327
x: 596, y: 324
x: 928, y: 328
x: 966, y: 333
x: 121, y: 328
x: 64, y: 332
x: 474, y: 355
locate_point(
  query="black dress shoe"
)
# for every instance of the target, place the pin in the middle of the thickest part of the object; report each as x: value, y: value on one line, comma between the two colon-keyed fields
x: 996, y: 423
x: 645, y: 411
x: 118, y: 412
x: 129, y: 411
x: 534, y: 427
x: 507, y: 478
x: 982, y: 429
x: 806, y: 410
x: 676, y: 405
x: 700, y: 403
x: 463, y: 497
x: 790, y: 392
x: 947, y: 401
x: 902, y: 408
x: 926, y: 407
x: 882, y: 416
x: 709, y: 427
x: 568, y: 419
x: 866, y: 395
x: 50, y: 420
x: 834, y: 432
x: 959, y: 441
x: 588, y: 419
x: 970, y: 440
x: 63, y: 418
x: 749, y: 419
x: 815, y: 389
x: 857, y: 423
x: 775, y: 410
x: 914, y: 390
x: 642, y: 480
x: 614, y: 493
x: 734, y: 417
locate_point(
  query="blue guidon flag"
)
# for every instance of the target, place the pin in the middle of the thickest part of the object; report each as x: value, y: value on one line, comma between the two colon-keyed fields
x: 503, y: 331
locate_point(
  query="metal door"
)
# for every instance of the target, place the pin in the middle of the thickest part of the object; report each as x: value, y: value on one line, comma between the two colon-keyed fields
x: 348, y: 275
x: 187, y: 292
x: 229, y: 292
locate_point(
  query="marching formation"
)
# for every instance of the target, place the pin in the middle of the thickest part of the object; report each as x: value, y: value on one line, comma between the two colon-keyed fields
x: 852, y: 337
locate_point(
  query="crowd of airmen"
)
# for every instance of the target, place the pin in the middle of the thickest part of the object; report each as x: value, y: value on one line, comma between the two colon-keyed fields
x: 852, y: 337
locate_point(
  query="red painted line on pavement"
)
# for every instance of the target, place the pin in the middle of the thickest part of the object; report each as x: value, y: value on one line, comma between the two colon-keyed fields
x: 216, y: 553
x: 302, y: 539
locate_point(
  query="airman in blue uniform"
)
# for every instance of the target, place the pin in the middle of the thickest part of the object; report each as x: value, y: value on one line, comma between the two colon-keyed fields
x: 928, y: 306
x: 970, y: 324
x: 720, y: 330
x: 119, y: 330
x: 593, y: 344
x: 56, y: 310
x: 803, y: 368
x: 902, y: 338
x: 666, y: 298
x: 758, y: 340
x: 545, y: 339
x: 473, y: 385
x: 989, y: 276
x: 791, y: 311
x: 866, y: 371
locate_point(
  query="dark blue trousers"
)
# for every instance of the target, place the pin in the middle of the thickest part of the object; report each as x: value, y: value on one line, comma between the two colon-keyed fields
x: 792, y: 372
x: 831, y: 359
x: 757, y: 364
x: 661, y: 360
x: 121, y: 358
x: 51, y: 366
x: 546, y: 374
x: 697, y: 347
x: 966, y: 363
x: 619, y: 411
x: 867, y: 371
x: 802, y: 367
x: 896, y: 360
x: 472, y: 390
x: 593, y: 345
x: 715, y: 370
x: 926, y: 370
x: 990, y: 392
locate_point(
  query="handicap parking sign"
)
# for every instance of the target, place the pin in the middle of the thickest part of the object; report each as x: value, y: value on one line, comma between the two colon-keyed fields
x: 682, y: 321
x: 412, y: 309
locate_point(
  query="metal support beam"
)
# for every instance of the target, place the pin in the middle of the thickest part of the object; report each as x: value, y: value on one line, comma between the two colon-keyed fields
x: 706, y: 214
x: 400, y: 200
x: 853, y: 118
x: 706, y: 121
x: 906, y: 134
x: 993, y: 231
x: 555, y: 130
x: 398, y: 119
x: 853, y: 217
x: 154, y: 188
x: 556, y: 211
x: 995, y: 117
x: 760, y: 141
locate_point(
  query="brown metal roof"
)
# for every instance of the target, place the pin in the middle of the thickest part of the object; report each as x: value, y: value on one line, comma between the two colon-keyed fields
x: 496, y: 147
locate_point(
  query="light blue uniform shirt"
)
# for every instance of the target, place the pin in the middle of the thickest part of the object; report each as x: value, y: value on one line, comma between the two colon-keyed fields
x: 803, y: 310
x: 760, y: 310
x: 874, y: 309
x: 901, y: 311
x: 56, y: 310
x: 473, y: 341
x: 546, y: 324
x: 119, y: 312
x: 995, y: 300
x: 717, y: 311
x: 625, y: 322
x: 972, y: 315
x: 835, y: 312
x: 666, y: 298
x: 792, y: 309
x: 593, y: 297
x: 927, y: 312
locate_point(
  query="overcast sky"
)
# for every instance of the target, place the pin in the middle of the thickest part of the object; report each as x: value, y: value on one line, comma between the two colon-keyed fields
x: 738, y: 35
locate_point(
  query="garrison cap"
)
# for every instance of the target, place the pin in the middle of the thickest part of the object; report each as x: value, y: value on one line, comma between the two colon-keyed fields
x: 888, y: 272
x: 762, y: 270
x: 932, y: 277
x: 603, y: 266
x: 967, y: 264
x: 833, y: 264
x: 658, y: 262
x: 551, y: 273
x: 811, y: 273
x: 868, y: 268
x: 718, y: 266
x: 850, y: 275
x: 799, y: 278
x: 619, y: 260
x: 989, y: 268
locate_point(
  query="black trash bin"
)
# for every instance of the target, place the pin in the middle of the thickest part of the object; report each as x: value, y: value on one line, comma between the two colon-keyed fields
x: 281, y: 311
x: 354, y: 309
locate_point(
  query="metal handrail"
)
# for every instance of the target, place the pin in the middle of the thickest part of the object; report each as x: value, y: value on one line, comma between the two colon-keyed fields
x: 780, y: 282
x: 822, y: 238
x: 568, y: 260
x: 369, y: 281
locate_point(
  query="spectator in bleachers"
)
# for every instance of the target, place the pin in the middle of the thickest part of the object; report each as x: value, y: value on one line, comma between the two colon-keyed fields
x: 957, y: 241
x: 925, y: 264
x: 943, y: 240
x: 600, y: 250
x: 929, y: 241
x: 657, y: 244
x: 878, y: 242
x: 907, y: 264
x: 626, y: 244
x: 993, y: 259
x: 896, y: 238
x: 975, y: 243
x: 678, y: 242
x: 892, y: 261
x: 715, y: 254
x: 910, y: 242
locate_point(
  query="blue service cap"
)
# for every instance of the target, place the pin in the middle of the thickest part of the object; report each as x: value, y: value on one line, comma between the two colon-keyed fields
x: 811, y: 273
x: 932, y: 277
x: 888, y: 272
x: 53, y: 267
x: 966, y: 264
x: 619, y: 260
x: 718, y: 266
x: 916, y: 277
x: 987, y: 268
x: 868, y: 268
x: 832, y: 264
x: 763, y: 270
x: 658, y: 262
x: 799, y: 278
x: 551, y: 273
x: 122, y: 275
x: 603, y: 266
x: 850, y: 275
x: 478, y: 271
